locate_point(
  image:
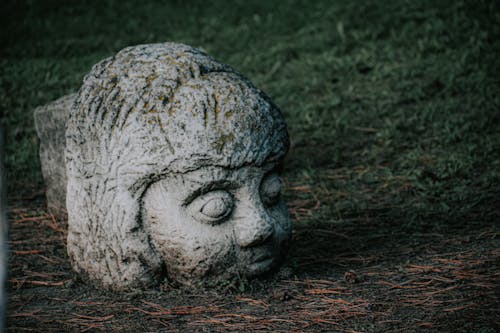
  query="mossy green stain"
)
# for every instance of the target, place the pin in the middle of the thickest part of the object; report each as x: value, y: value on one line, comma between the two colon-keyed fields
x: 150, y: 79
x: 222, y: 141
x: 216, y: 107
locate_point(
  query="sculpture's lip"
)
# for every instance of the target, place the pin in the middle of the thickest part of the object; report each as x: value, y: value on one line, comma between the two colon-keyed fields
x: 262, y: 257
x: 261, y: 265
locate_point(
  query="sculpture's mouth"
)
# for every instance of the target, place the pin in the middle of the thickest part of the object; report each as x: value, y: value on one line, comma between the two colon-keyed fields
x: 260, y: 263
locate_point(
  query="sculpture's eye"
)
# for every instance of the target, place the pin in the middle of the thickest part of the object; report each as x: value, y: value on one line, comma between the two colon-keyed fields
x: 270, y: 190
x: 212, y: 207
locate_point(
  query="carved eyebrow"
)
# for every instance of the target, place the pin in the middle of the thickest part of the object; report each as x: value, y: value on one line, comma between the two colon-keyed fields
x: 222, y: 184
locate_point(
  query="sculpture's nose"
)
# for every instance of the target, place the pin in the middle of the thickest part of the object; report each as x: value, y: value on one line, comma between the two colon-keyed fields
x: 254, y: 228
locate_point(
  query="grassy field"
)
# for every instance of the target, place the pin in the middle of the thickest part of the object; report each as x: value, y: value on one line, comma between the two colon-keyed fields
x: 393, y: 110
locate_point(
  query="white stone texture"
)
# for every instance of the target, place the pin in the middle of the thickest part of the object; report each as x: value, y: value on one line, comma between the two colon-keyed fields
x: 50, y: 124
x: 173, y: 166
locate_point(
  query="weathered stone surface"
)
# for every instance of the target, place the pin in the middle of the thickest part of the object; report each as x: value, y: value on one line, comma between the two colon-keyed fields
x: 50, y: 124
x: 173, y: 164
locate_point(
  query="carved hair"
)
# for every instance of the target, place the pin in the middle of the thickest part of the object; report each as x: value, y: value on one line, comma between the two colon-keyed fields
x: 149, y: 111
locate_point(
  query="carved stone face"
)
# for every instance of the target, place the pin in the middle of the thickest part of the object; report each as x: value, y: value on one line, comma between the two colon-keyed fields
x: 214, y: 222
x: 172, y: 161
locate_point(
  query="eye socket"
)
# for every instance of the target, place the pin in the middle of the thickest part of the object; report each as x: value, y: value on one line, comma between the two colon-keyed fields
x: 270, y: 190
x: 212, y: 207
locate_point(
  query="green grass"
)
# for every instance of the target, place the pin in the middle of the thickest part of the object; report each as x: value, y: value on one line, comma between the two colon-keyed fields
x: 393, y: 107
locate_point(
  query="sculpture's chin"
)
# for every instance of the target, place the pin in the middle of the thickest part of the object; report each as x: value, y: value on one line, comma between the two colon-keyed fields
x: 260, y: 260
x: 260, y: 267
x: 250, y: 266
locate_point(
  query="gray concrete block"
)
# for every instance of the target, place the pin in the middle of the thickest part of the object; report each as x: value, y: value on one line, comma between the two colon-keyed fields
x: 50, y: 124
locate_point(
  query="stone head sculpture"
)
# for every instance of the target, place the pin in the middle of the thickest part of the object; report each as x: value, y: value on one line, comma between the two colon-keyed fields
x: 173, y: 163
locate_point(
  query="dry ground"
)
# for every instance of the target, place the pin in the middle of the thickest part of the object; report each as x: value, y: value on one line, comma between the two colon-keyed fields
x: 362, y: 275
